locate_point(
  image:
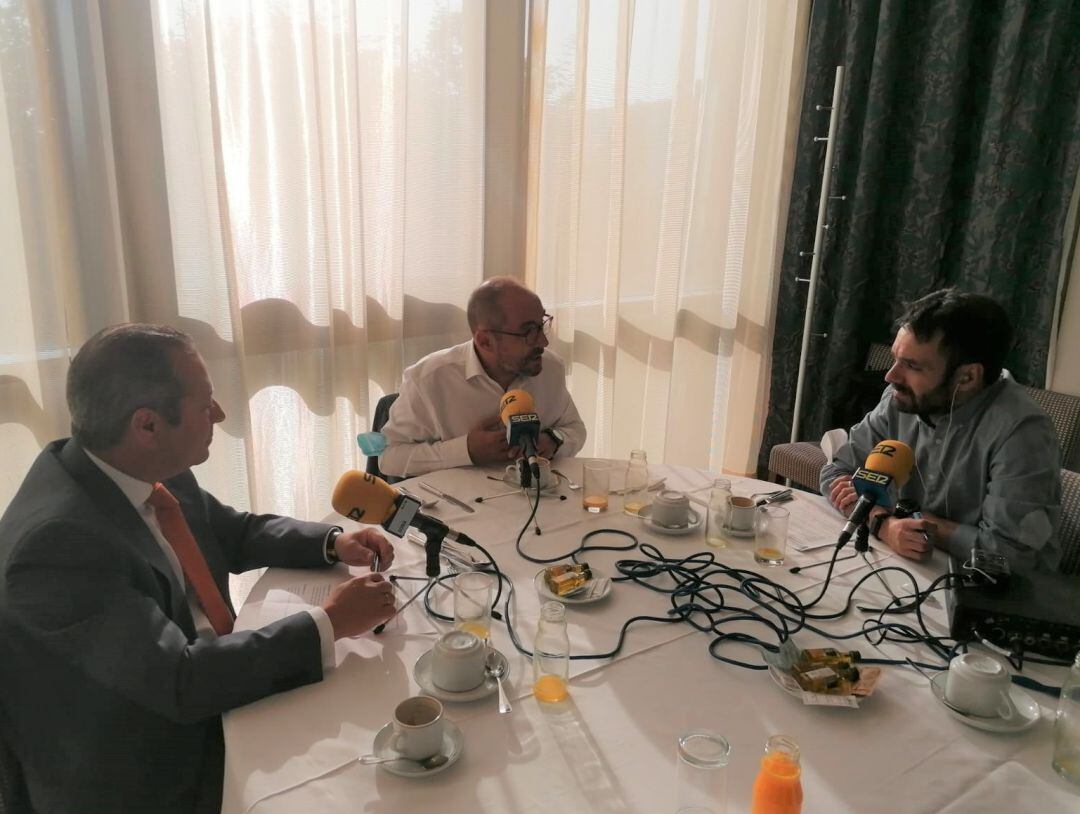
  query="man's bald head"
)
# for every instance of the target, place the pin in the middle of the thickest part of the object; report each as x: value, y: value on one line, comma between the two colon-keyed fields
x: 486, y: 307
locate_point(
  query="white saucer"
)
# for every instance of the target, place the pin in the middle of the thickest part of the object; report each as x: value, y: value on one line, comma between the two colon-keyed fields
x: 1027, y: 709
x: 422, y: 674
x: 453, y: 745
x: 553, y: 484
x: 696, y: 520
x: 595, y: 589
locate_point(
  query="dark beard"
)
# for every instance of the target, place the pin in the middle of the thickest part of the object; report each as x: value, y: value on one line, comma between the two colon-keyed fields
x: 936, y: 402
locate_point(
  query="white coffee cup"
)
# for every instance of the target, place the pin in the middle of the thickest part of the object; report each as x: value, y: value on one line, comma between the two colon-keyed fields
x: 741, y: 513
x: 979, y: 685
x: 671, y: 508
x: 457, y: 661
x: 418, y: 727
x: 513, y: 473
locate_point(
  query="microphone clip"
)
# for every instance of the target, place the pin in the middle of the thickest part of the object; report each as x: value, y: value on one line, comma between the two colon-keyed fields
x: 433, y: 548
x: 406, y: 509
x: 862, y: 538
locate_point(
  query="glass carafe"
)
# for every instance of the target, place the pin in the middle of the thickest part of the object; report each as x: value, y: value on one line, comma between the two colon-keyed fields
x: 716, y: 518
x: 636, y: 486
x: 1067, y: 727
x: 778, y: 788
x: 551, y: 654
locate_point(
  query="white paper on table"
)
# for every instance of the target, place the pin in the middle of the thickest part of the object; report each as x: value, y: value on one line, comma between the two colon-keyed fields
x: 283, y: 602
x: 817, y: 699
x: 815, y: 526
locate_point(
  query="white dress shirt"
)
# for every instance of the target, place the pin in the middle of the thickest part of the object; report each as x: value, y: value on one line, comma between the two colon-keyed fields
x: 446, y: 393
x: 138, y: 492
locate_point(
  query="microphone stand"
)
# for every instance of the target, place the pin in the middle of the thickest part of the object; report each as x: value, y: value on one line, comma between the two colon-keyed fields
x: 862, y: 546
x: 529, y: 470
x: 432, y: 548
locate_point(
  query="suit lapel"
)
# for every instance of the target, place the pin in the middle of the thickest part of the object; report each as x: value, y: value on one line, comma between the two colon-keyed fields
x: 133, y: 530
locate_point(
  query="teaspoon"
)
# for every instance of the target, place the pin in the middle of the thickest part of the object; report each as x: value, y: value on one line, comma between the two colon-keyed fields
x: 495, y: 666
x: 428, y: 763
x: 573, y: 486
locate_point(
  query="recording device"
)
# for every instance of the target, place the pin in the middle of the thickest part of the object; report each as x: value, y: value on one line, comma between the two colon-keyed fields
x: 518, y: 412
x: 368, y: 499
x: 1034, y: 612
x: 990, y: 571
x: 889, y: 462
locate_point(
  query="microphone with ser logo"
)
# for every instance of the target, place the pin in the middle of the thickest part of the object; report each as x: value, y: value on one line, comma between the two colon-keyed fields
x: 368, y: 499
x: 518, y: 412
x: 888, y: 463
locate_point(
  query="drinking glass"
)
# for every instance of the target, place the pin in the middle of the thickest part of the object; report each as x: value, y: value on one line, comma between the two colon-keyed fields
x: 701, y: 774
x: 716, y: 517
x: 594, y: 493
x: 770, y: 535
x: 473, y: 593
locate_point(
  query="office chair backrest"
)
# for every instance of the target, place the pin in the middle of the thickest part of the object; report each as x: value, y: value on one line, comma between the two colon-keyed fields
x: 378, y: 421
x: 1069, y: 531
x: 1064, y: 411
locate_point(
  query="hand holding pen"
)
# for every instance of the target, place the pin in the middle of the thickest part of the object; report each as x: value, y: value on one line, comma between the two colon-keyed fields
x: 910, y: 538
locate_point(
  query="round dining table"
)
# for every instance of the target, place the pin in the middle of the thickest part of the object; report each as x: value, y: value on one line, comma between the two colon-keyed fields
x: 611, y: 745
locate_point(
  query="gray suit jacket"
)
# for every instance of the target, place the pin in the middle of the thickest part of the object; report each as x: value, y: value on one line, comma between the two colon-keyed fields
x: 108, y: 698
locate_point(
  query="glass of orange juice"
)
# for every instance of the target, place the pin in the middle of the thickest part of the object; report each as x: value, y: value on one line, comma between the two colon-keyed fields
x: 473, y: 593
x: 770, y: 535
x: 594, y: 493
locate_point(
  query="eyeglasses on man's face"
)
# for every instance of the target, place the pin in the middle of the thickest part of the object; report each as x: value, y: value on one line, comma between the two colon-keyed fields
x: 532, y: 333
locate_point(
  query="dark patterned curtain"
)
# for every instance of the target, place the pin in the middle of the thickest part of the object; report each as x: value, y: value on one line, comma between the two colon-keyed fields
x: 957, y: 151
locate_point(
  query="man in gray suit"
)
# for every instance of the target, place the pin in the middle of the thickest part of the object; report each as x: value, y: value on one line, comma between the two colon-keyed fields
x: 117, y: 655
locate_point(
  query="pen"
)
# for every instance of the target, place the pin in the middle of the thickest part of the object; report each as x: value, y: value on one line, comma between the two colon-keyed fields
x: 925, y: 536
x: 380, y: 628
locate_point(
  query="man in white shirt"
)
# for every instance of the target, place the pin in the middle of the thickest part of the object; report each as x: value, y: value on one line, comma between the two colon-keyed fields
x: 434, y: 422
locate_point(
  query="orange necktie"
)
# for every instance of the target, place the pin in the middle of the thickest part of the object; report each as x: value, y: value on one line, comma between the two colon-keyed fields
x: 176, y: 531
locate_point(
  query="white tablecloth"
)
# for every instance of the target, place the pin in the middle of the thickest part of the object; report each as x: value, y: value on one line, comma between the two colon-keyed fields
x: 611, y: 748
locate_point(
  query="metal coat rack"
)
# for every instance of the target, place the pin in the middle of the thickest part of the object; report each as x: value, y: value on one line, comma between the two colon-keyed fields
x: 819, y: 240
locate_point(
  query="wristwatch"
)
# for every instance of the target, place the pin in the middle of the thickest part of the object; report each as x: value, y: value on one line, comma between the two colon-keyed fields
x: 557, y: 437
x: 876, y: 521
x: 329, y: 551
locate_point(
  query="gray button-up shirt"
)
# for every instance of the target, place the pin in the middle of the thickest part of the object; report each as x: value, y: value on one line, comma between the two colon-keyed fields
x: 993, y: 467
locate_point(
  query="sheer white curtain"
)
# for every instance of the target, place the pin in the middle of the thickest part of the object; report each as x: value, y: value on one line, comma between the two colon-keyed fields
x: 62, y: 271
x: 661, y: 134
x: 299, y: 185
x: 324, y: 164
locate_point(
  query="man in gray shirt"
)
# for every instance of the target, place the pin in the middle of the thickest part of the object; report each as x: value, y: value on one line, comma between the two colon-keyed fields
x: 987, y: 462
